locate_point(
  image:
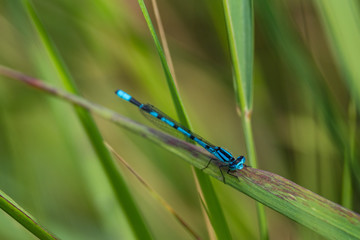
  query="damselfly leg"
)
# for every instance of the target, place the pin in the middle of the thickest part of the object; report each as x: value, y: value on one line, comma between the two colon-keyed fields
x: 228, y: 172
x: 207, y: 165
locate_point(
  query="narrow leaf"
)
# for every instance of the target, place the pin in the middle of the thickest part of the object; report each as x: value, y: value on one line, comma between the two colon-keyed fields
x: 119, y: 186
x: 25, y: 219
x: 214, y: 209
x: 303, y: 206
x: 240, y: 29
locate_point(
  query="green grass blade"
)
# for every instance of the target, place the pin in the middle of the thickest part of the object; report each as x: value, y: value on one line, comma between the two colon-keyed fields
x: 240, y: 28
x: 22, y: 217
x: 303, y: 206
x: 119, y: 186
x: 214, y: 210
x: 169, y: 79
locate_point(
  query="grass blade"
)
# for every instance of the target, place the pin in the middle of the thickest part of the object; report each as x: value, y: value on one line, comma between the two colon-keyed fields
x: 25, y: 219
x: 303, y: 206
x: 240, y: 28
x: 119, y: 186
x: 169, y: 79
x: 214, y: 211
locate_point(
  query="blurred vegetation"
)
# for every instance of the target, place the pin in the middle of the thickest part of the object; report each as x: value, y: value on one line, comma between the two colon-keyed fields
x: 304, y: 112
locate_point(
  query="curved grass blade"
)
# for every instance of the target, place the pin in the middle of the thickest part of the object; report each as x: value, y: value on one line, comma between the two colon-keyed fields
x: 240, y: 29
x: 120, y: 188
x: 214, y: 211
x: 303, y: 206
x: 24, y: 218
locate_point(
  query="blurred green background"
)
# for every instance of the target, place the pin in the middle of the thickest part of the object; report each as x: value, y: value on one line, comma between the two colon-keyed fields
x: 303, y: 118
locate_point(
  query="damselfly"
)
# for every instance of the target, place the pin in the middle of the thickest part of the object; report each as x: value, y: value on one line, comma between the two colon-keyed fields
x: 219, y: 152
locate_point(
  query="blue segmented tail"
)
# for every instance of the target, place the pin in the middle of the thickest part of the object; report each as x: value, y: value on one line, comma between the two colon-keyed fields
x: 220, y: 153
x: 156, y: 113
x: 127, y: 97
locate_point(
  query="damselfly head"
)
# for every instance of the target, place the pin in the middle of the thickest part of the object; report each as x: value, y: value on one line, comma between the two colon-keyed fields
x: 238, y: 163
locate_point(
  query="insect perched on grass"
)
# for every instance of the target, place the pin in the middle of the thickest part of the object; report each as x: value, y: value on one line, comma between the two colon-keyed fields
x: 160, y: 117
